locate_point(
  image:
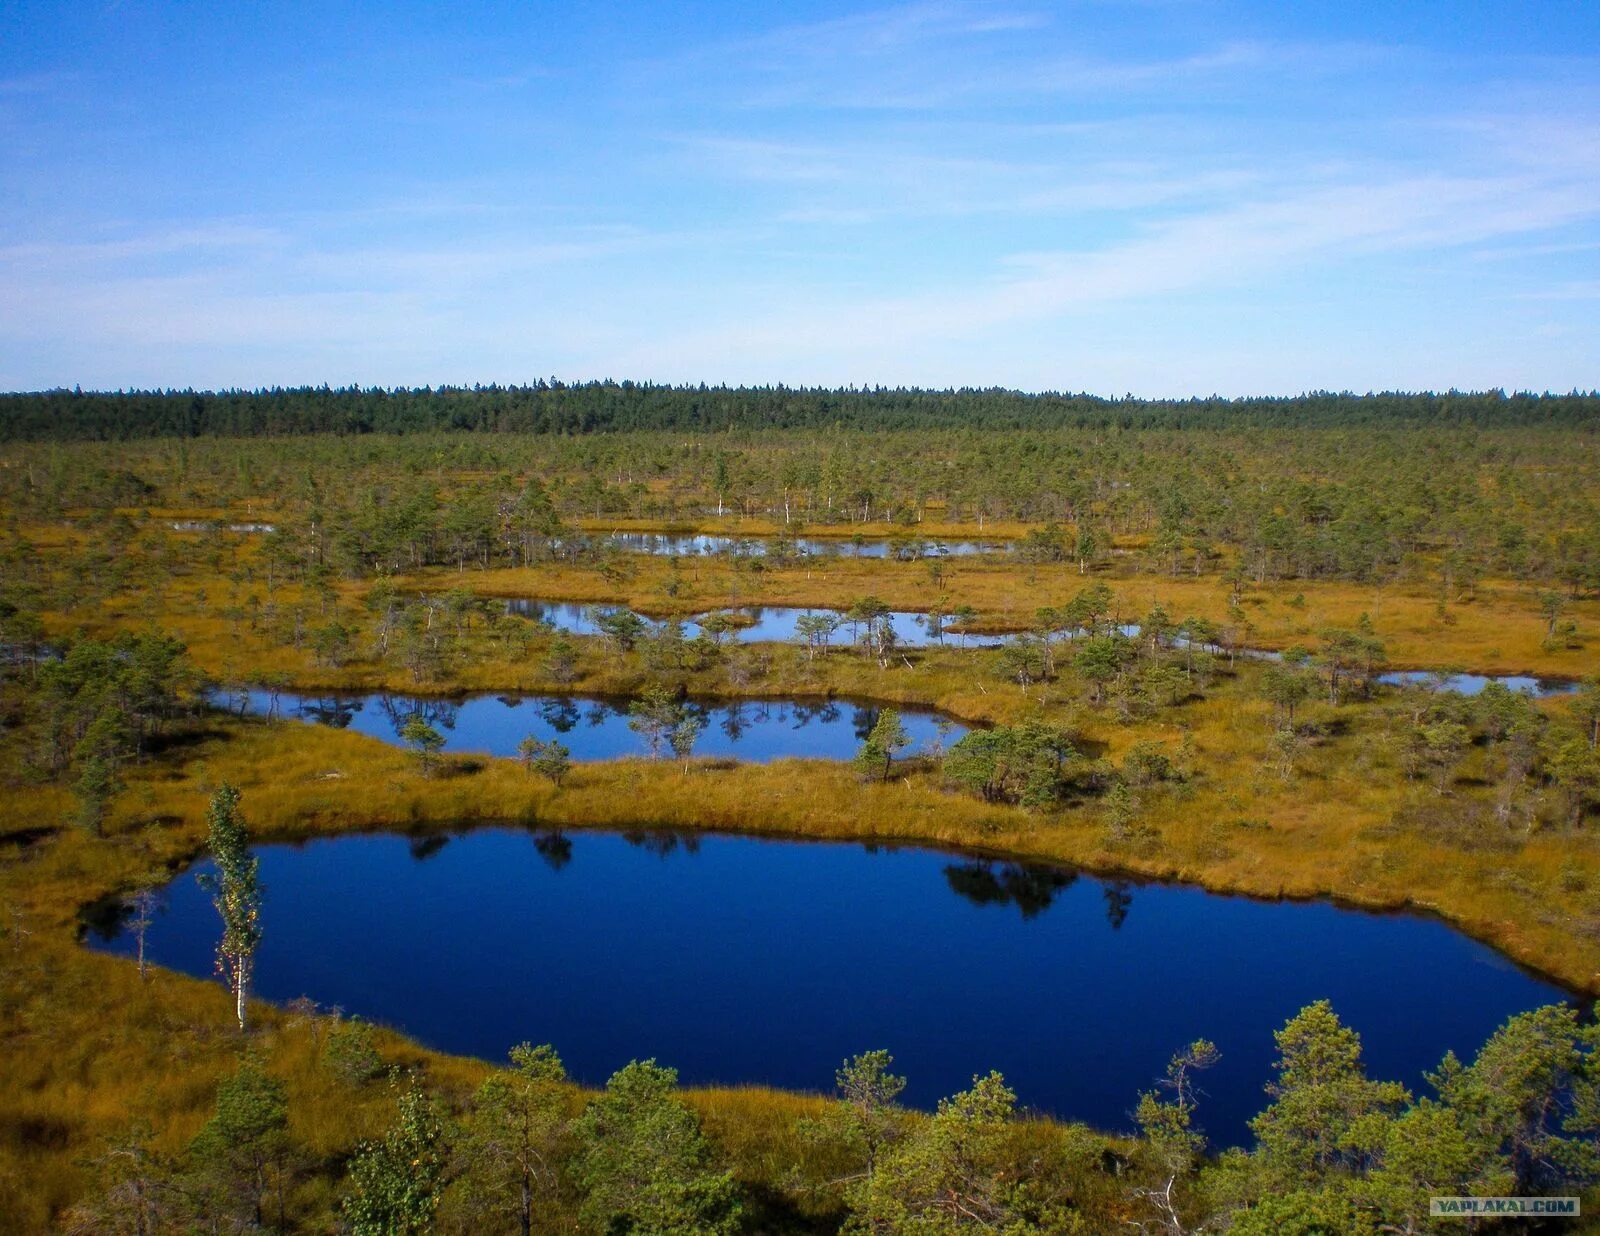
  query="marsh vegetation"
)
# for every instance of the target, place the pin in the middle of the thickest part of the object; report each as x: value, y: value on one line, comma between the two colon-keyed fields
x: 1085, y: 696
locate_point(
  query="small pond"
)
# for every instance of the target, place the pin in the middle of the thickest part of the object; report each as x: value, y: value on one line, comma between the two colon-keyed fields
x: 754, y: 624
x: 597, y: 729
x: 777, y: 624
x: 909, y: 547
x: 743, y: 960
x: 211, y: 525
x: 1472, y: 684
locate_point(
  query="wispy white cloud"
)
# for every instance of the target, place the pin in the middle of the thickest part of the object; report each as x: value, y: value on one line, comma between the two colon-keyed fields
x: 1535, y: 250
x: 252, y: 289
x: 1216, y: 250
x: 864, y: 181
x: 1580, y: 289
x: 190, y: 241
x: 893, y: 28
x: 1013, y: 191
x: 942, y: 56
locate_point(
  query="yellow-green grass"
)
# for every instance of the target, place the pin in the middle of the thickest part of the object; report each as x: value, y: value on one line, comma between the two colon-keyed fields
x: 1499, y: 629
x: 89, y: 1048
x: 1495, y: 628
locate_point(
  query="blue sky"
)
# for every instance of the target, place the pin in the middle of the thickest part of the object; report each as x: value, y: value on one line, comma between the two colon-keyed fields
x: 1162, y: 197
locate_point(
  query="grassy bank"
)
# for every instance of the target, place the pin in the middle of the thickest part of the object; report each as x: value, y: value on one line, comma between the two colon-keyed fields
x: 1385, y: 800
x: 1494, y: 626
x: 89, y: 1047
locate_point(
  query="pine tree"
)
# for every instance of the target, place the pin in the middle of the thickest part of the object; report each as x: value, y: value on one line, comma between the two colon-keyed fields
x: 646, y: 1165
x: 887, y: 736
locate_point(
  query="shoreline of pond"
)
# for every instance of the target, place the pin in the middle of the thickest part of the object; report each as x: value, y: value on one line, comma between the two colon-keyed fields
x: 1020, y: 878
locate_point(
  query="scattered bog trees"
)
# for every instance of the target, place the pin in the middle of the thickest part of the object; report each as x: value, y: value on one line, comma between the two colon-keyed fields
x: 98, y: 758
x: 424, y: 741
x: 665, y: 723
x: 1320, y: 1098
x: 1171, y: 1145
x: 242, y: 1151
x: 815, y: 631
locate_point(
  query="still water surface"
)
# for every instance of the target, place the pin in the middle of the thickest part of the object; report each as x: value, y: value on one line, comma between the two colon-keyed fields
x: 743, y: 960
x: 777, y: 624
x: 689, y: 544
x: 758, y: 623
x: 597, y: 729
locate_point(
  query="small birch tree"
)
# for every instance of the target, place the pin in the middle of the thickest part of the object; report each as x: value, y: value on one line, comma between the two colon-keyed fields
x: 235, y: 891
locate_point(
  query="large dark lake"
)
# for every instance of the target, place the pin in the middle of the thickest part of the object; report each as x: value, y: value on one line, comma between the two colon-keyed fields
x: 741, y: 960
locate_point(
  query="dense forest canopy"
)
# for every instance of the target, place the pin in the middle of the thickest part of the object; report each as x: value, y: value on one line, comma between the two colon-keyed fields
x: 599, y: 407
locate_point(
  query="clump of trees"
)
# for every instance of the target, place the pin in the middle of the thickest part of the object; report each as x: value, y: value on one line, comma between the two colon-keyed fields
x: 102, y: 704
x: 644, y: 1162
x: 1137, y: 667
x: 396, y: 1181
x: 424, y: 741
x: 1334, y: 1150
x: 551, y: 760
x: 1034, y: 764
x: 666, y: 723
x: 1541, y: 769
x: 1338, y: 1149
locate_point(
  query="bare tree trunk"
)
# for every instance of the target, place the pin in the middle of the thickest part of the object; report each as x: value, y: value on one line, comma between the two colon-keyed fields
x: 141, y: 925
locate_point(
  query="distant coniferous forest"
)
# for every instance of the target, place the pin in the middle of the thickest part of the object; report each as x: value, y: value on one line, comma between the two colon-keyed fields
x: 600, y: 407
